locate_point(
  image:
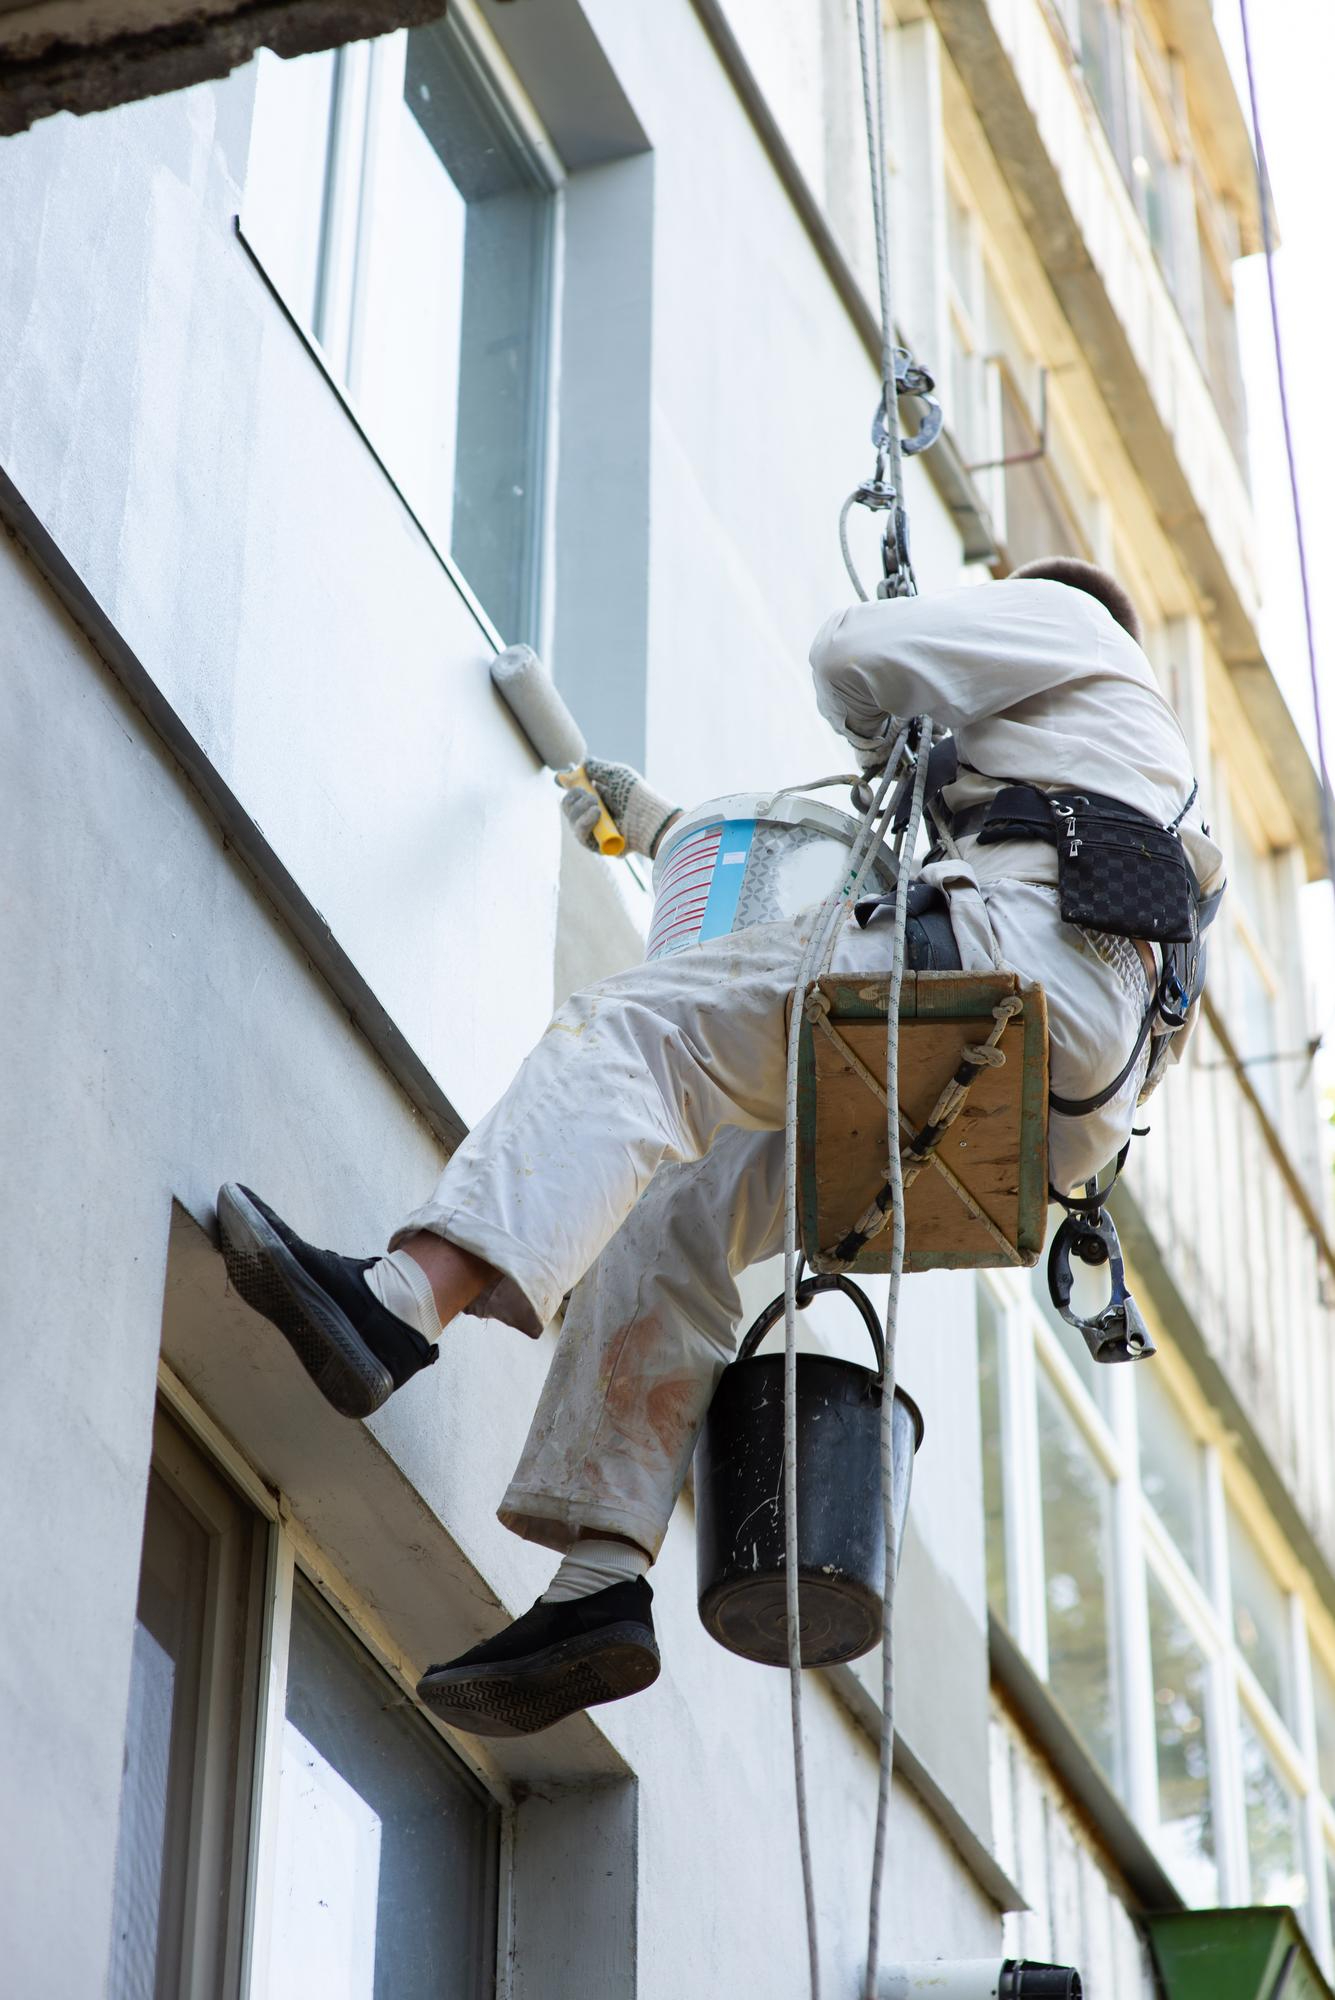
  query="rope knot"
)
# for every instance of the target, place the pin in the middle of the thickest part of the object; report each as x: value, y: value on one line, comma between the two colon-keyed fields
x: 816, y: 1005
x: 984, y: 1055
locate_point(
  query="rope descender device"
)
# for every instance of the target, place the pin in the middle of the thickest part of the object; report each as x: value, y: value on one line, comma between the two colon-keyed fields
x: 1118, y: 1331
x: 879, y: 494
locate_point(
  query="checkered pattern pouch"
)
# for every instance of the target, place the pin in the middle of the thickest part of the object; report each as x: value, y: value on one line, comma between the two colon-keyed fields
x: 1119, y: 871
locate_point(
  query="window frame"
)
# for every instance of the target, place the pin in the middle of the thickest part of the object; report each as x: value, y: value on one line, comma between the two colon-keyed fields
x: 217, y: 1858
x: 1144, y: 1547
x: 286, y: 1549
x: 373, y: 67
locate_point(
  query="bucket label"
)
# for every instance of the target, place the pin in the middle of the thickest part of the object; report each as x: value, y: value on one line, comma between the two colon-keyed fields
x: 701, y: 886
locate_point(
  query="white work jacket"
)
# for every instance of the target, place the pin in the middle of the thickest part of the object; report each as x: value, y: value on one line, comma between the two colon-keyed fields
x: 1040, y: 685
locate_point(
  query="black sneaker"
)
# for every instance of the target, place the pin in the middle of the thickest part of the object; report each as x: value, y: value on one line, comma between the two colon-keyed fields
x: 354, y: 1350
x: 554, y: 1660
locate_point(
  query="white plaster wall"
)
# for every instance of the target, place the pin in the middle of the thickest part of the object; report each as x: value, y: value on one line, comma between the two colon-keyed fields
x: 171, y: 431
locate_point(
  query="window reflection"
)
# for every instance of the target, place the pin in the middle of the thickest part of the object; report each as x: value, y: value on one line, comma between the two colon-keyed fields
x: 1089, y: 1292
x: 1077, y: 1562
x: 1182, y: 1749
x: 1171, y: 1468
x: 1274, y: 1836
x: 994, y: 1489
x: 1323, y: 1698
x: 385, y: 1873
x: 408, y: 226
x: 1260, y: 1617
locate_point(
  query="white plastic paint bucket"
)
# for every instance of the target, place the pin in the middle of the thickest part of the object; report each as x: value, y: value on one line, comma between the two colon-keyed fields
x: 753, y: 858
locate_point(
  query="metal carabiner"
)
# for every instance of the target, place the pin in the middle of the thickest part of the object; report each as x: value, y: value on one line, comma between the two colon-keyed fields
x: 1118, y: 1332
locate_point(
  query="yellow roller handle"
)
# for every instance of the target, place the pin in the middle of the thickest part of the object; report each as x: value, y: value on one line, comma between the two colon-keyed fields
x: 604, y: 832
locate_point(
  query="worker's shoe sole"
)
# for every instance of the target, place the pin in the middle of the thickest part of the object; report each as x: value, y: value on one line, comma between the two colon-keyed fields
x: 529, y: 1691
x: 268, y: 1265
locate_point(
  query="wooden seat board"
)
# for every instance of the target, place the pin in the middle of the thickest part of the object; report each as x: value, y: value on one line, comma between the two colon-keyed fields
x: 997, y: 1146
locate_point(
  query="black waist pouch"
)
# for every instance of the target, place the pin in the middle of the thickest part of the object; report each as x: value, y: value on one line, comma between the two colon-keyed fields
x: 1118, y: 870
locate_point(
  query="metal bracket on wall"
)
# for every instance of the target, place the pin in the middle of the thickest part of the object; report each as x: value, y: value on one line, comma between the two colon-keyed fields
x: 1041, y: 448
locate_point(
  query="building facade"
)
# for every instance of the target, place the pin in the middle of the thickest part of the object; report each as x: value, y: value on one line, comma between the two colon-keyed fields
x: 552, y: 321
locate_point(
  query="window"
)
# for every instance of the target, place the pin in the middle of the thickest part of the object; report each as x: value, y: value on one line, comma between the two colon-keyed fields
x: 1260, y: 1617
x: 380, y: 1849
x: 1153, y: 175
x: 189, y: 1735
x: 1171, y: 1471
x: 1077, y: 1546
x: 1102, y: 64
x: 1103, y: 1547
x: 1182, y: 1749
x: 1274, y: 1826
x: 1323, y: 1702
x: 994, y: 1494
x: 1223, y: 365
x: 1089, y: 1291
x: 406, y: 217
x: 385, y: 1873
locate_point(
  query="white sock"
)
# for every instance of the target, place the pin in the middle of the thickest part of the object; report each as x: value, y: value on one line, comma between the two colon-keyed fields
x: 403, y: 1288
x: 593, y: 1565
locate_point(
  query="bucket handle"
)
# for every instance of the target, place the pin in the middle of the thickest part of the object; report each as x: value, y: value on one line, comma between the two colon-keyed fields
x: 807, y: 1290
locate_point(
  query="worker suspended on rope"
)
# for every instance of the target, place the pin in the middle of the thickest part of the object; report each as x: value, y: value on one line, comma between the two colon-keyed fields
x: 637, y: 1157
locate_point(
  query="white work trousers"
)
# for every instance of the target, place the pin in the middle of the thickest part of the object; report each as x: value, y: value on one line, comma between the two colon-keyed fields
x: 641, y: 1144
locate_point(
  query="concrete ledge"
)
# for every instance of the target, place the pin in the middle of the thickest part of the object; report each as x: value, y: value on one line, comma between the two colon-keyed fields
x: 69, y: 55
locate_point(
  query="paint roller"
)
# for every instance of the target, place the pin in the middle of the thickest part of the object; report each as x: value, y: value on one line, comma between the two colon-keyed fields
x: 525, y: 687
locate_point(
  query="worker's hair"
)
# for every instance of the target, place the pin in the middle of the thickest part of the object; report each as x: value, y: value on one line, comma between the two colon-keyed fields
x: 1086, y: 576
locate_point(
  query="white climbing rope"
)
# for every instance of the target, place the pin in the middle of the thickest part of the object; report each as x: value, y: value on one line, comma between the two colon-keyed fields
x: 819, y: 950
x: 872, y: 61
x: 907, y: 845
x: 881, y: 492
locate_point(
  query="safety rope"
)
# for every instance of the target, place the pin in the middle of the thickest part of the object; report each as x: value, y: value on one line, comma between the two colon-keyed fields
x: 908, y: 843
x: 872, y: 60
x: 815, y: 958
x: 884, y: 495
x: 1295, y: 493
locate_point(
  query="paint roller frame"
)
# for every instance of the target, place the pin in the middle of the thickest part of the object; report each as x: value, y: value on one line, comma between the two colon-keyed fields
x: 552, y: 732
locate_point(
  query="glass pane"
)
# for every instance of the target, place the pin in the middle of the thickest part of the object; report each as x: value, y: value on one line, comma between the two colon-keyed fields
x: 1101, y: 62
x: 1038, y: 522
x: 392, y: 202
x: 385, y: 1875
x: 994, y: 1492
x: 1260, y: 1617
x: 1153, y: 170
x: 1182, y: 1747
x: 1077, y: 1561
x: 463, y: 163
x: 287, y: 174
x: 1274, y: 1833
x: 159, y: 1778
x: 1171, y: 1467
x: 1323, y: 1700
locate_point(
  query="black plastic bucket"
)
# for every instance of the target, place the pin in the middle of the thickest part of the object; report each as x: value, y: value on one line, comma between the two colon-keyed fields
x: 840, y: 1528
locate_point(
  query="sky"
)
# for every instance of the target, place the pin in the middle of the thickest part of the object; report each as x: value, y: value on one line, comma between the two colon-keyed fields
x: 1293, y: 49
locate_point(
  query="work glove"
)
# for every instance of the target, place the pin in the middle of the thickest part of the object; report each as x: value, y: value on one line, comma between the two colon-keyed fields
x: 640, y: 814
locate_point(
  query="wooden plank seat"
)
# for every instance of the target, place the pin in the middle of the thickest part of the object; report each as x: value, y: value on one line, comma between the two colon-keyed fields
x: 980, y: 1198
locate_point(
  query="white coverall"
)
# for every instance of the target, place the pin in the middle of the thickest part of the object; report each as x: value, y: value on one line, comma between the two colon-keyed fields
x: 638, y: 1154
